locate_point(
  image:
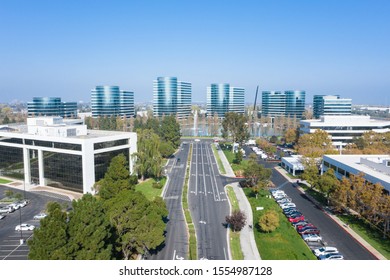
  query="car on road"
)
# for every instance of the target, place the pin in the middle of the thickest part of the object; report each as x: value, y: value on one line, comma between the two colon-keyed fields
x: 331, y: 257
x: 325, y: 250
x: 311, y: 237
x: 40, y: 216
x: 24, y: 227
x: 197, y: 140
x: 7, y: 209
x: 296, y: 219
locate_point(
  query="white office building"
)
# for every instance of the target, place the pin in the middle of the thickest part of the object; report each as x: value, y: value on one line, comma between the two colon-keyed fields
x: 51, y: 151
x: 376, y: 168
x: 343, y: 129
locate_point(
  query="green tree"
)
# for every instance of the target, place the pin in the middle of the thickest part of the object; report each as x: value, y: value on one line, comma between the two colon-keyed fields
x: 238, y: 157
x: 328, y: 183
x: 50, y: 240
x: 234, y: 127
x: 166, y: 149
x: 311, y: 173
x: 139, y: 226
x: 170, y: 131
x: 316, y: 144
x: 269, y: 221
x: 257, y: 175
x: 116, y: 178
x: 148, y: 155
x: 89, y: 230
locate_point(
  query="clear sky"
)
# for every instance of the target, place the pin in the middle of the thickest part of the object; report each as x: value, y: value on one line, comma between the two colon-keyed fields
x: 65, y: 48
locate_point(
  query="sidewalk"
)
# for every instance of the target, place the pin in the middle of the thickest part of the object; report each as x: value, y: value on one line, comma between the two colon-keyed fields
x: 228, y: 169
x: 18, y: 184
x: 247, y: 238
x: 357, y: 237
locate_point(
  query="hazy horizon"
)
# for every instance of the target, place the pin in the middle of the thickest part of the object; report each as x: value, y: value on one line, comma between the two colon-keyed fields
x: 65, y: 48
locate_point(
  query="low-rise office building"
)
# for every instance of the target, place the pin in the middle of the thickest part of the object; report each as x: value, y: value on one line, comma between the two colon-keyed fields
x: 293, y: 164
x: 376, y: 168
x: 343, y: 129
x: 51, y: 151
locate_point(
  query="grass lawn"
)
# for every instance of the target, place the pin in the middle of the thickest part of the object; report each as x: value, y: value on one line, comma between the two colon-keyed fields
x: 237, y: 168
x: 4, y: 181
x: 220, y: 165
x: 372, y: 236
x: 147, y: 189
x: 282, y: 244
x: 235, y: 246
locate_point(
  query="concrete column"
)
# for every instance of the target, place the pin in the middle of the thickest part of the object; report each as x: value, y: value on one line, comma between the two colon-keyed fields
x: 88, y: 166
x: 133, y: 149
x: 41, y: 168
x: 26, y: 167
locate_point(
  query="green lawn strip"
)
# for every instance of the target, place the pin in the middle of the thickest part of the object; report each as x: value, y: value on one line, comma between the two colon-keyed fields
x: 191, y: 228
x: 147, y: 189
x: 219, y: 161
x: 373, y: 236
x: 4, y: 181
x: 282, y: 244
x: 230, y: 156
x: 235, y: 245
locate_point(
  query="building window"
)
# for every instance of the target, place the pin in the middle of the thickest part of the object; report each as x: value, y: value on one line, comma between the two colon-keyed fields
x: 109, y: 144
x: 341, y: 171
x: 326, y: 164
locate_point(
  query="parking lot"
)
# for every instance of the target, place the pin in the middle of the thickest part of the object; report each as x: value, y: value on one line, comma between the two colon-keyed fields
x: 10, y: 239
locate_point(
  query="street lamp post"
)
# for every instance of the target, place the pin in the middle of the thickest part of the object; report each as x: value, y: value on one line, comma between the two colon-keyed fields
x: 20, y: 226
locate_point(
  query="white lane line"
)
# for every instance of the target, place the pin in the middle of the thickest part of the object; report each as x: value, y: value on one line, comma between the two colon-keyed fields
x: 174, y: 255
x: 204, y: 177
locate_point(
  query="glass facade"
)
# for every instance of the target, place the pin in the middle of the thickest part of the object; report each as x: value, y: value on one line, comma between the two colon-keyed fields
x: 324, y: 105
x: 102, y: 161
x: 222, y: 98
x: 111, y: 101
x: 171, y: 97
x: 11, y: 162
x: 287, y: 104
x: 51, y: 106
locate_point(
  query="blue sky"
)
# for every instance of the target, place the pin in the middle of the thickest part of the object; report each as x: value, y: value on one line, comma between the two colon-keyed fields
x: 65, y: 48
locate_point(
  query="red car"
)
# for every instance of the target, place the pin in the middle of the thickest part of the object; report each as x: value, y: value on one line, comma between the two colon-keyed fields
x: 302, y: 226
x: 296, y: 219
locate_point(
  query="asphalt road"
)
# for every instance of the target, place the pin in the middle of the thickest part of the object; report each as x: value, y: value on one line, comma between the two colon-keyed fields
x: 332, y: 233
x: 208, y: 203
x: 10, y: 247
x: 176, y: 240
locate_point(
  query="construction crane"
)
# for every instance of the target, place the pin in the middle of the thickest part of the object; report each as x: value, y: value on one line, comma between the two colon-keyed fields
x: 254, y: 105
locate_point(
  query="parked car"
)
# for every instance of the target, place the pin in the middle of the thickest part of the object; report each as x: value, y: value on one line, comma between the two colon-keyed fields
x: 325, y: 250
x: 306, y: 225
x: 16, y: 206
x: 294, y: 214
x: 7, y: 209
x: 331, y: 257
x: 309, y: 231
x: 23, y: 203
x: 287, y: 205
x: 296, y: 219
x: 300, y: 223
x: 40, y: 216
x: 291, y: 209
x: 24, y: 227
x: 277, y: 192
x: 311, y: 237
x: 284, y: 200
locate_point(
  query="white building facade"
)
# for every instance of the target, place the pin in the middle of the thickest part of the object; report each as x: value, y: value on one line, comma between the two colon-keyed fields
x: 65, y: 155
x: 376, y: 168
x: 343, y: 129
